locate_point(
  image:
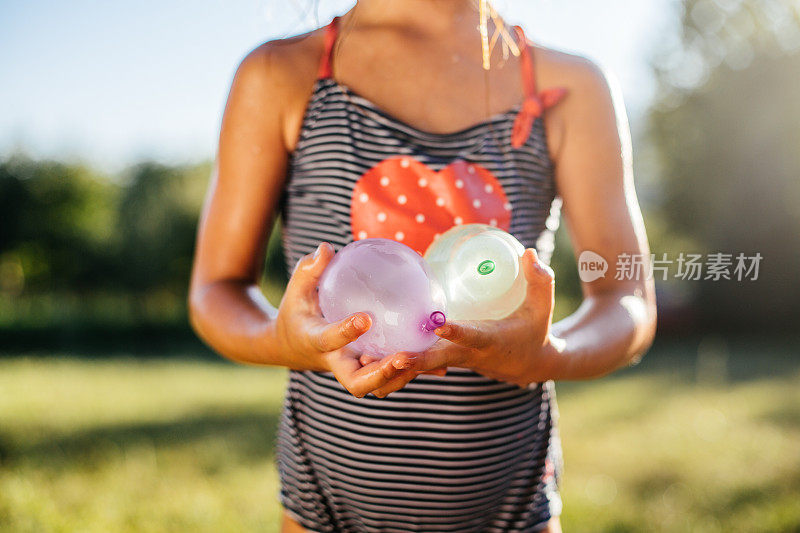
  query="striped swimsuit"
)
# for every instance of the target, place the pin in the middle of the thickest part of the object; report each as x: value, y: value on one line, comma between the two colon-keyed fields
x: 459, y: 453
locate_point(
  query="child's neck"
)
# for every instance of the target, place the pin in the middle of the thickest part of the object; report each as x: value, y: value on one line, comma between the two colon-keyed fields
x: 425, y: 16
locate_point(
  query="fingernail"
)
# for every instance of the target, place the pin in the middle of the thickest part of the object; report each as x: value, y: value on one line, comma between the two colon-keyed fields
x: 403, y: 363
x: 359, y: 322
x: 442, y: 331
x: 316, y: 252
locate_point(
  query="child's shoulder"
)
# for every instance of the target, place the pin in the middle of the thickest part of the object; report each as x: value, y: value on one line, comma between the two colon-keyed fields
x: 592, y: 90
x: 277, y: 77
x: 285, y: 65
x: 556, y: 67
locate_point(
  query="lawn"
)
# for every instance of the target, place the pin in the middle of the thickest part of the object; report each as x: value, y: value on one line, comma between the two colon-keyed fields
x: 698, y: 437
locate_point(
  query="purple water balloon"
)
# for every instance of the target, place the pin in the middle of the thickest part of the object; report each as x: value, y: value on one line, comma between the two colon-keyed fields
x: 391, y: 282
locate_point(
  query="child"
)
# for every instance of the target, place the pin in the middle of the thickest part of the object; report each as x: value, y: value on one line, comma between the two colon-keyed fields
x: 387, y: 98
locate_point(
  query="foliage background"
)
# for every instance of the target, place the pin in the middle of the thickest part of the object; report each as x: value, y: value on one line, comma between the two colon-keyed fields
x: 716, y: 161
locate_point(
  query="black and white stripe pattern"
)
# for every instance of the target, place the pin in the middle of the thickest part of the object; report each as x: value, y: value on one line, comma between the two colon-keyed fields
x: 459, y: 453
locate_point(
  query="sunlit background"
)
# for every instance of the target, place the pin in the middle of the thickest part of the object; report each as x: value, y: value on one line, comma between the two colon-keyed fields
x: 112, y: 83
x: 113, y: 417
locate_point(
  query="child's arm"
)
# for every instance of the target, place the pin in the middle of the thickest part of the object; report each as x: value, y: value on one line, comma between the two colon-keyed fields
x: 227, y: 308
x: 590, y: 144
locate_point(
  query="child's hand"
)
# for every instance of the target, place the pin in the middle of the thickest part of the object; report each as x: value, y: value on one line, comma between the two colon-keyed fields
x: 403, y: 379
x: 311, y: 343
x: 517, y: 349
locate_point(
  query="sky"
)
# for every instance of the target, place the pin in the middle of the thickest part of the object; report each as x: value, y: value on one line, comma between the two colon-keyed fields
x: 112, y: 83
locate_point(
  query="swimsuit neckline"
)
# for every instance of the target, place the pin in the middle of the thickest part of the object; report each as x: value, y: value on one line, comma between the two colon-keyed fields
x: 492, y: 119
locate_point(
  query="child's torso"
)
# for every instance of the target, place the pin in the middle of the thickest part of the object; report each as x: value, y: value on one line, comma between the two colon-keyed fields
x: 482, y: 449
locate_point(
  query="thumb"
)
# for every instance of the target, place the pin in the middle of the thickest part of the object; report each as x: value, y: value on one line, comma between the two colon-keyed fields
x: 541, y: 284
x: 309, y: 269
x: 468, y: 333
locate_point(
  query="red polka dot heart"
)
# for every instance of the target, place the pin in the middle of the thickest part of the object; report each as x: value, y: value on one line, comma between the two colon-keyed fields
x: 403, y: 199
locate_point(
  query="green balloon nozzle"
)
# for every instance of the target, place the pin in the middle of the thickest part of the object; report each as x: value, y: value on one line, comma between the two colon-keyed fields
x: 486, y: 267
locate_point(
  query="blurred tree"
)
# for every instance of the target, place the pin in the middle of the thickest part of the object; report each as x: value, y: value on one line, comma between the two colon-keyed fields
x: 726, y: 129
x: 275, y: 261
x: 57, y: 221
x: 80, y: 248
x: 156, y: 225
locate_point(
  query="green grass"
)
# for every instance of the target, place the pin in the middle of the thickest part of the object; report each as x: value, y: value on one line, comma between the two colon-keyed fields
x: 679, y: 443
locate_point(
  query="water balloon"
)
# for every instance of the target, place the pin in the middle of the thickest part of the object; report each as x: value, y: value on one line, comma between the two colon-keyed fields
x: 478, y: 266
x: 392, y: 283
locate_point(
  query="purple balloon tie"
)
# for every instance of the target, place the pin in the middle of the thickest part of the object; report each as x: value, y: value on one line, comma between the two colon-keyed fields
x: 436, y: 319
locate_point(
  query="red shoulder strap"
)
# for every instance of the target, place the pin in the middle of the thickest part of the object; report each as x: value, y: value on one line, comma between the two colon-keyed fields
x: 535, y: 102
x: 526, y: 64
x: 325, y: 70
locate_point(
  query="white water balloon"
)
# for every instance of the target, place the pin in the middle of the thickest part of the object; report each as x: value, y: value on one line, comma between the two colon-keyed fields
x: 479, y: 269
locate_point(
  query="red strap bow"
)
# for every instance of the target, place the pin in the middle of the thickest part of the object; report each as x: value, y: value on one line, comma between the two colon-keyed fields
x: 532, y: 108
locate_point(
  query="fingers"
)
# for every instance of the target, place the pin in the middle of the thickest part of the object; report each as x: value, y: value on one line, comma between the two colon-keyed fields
x: 439, y: 357
x: 402, y: 379
x: 468, y: 333
x: 330, y: 337
x: 360, y: 380
x: 366, y: 359
x: 308, y: 270
x: 541, y: 284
